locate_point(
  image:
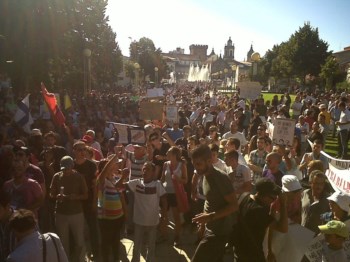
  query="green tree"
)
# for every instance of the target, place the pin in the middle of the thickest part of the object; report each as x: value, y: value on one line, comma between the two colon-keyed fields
x: 331, y: 73
x: 145, y: 53
x: 45, y: 39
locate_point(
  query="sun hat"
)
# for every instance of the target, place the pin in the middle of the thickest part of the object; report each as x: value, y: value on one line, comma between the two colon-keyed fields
x: 342, y: 200
x: 290, y: 183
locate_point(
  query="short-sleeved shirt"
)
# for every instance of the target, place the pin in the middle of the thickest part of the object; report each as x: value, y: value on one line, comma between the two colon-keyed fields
x: 72, y: 184
x: 146, y: 201
x: 215, y: 187
x: 35, y: 173
x: 23, y: 195
x: 258, y: 161
x: 251, y: 228
x: 239, y: 176
x: 135, y: 165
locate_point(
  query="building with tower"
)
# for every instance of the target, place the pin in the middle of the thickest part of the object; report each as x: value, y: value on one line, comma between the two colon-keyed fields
x: 229, y: 54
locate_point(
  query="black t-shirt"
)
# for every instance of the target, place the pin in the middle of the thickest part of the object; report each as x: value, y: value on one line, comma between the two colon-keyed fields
x: 88, y: 170
x: 162, y: 152
x: 250, y: 230
x: 215, y: 187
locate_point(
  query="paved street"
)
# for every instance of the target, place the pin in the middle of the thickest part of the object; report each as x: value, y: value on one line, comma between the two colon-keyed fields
x: 165, y: 251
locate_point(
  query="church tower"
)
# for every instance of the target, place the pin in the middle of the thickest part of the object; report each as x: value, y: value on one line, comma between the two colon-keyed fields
x: 249, y: 54
x: 229, y: 50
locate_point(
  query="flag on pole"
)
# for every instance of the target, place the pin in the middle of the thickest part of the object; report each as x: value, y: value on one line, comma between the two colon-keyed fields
x: 51, y: 102
x: 67, y: 102
x: 23, y: 117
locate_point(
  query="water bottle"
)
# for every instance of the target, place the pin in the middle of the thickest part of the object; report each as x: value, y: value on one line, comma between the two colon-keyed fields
x: 61, y: 193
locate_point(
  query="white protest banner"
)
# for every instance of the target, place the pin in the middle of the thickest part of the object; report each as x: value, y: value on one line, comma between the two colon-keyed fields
x: 339, y: 179
x: 129, y: 134
x: 155, y: 92
x: 249, y: 90
x: 291, y: 246
x: 337, y: 163
x: 172, y: 114
x: 283, y: 131
x: 151, y: 110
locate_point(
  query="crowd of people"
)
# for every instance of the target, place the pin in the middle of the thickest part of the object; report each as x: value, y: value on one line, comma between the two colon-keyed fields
x: 77, y: 191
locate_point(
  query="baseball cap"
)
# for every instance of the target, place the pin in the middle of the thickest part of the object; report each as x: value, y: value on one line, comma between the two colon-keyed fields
x: 322, y: 106
x: 290, y: 183
x: 342, y: 200
x: 265, y: 186
x: 335, y: 227
x: 66, y: 162
x: 36, y: 132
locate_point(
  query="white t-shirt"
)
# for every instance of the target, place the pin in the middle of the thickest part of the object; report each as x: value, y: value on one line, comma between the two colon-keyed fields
x: 344, y: 118
x: 220, y: 164
x: 239, y: 176
x: 146, y: 203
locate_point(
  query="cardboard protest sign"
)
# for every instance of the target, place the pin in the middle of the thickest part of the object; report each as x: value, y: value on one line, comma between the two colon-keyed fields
x: 155, y: 92
x: 249, y: 90
x: 283, y: 132
x: 172, y: 114
x: 151, y: 110
x: 129, y: 134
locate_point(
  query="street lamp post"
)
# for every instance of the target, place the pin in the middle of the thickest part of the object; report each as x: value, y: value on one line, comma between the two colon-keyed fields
x: 137, y: 68
x: 87, y: 70
x: 156, y: 76
x: 255, y: 57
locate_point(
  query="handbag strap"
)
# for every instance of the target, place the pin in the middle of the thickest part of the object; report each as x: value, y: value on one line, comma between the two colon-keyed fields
x: 55, y: 244
x: 43, y: 240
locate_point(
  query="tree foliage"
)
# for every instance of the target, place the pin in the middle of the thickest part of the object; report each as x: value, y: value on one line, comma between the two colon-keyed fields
x: 303, y: 54
x: 46, y: 39
x: 148, y: 56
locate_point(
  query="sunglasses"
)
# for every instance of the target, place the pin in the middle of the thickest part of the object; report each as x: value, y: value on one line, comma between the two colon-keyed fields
x: 80, y: 149
x: 153, y: 139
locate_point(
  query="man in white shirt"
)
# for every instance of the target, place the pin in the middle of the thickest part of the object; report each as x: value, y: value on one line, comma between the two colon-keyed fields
x: 235, y: 134
x: 343, y: 126
x: 240, y: 175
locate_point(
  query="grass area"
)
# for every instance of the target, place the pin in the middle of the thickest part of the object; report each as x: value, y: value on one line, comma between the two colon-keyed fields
x: 269, y: 96
x: 331, y: 147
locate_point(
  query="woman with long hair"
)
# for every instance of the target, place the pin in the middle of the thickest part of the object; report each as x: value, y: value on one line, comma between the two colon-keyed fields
x: 174, y: 176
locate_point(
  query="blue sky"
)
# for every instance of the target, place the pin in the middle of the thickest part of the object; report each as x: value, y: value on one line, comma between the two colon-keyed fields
x: 180, y: 23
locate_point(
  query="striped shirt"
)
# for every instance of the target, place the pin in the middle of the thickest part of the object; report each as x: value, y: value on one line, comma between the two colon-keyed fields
x: 135, y: 165
x: 109, y: 202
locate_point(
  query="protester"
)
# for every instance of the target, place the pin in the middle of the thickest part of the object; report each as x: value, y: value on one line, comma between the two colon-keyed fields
x: 111, y: 208
x: 69, y: 188
x: 33, y: 246
x: 219, y: 205
x: 335, y: 233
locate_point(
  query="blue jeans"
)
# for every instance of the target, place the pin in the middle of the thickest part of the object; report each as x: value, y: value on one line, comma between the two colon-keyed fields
x: 151, y: 242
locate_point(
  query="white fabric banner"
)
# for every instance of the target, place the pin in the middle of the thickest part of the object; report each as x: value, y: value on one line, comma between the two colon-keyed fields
x: 339, y: 179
